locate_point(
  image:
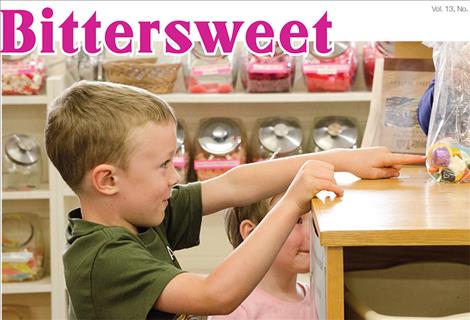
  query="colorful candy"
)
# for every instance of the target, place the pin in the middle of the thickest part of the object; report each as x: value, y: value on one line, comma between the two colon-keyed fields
x: 447, y: 161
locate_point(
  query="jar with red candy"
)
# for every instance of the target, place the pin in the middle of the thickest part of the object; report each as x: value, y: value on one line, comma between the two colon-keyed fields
x: 372, y: 51
x: 23, y: 75
x: 206, y: 73
x: 268, y: 73
x: 334, y: 72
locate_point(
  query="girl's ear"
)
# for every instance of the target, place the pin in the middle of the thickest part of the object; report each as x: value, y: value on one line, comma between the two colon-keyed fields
x: 104, y: 179
x: 246, y: 227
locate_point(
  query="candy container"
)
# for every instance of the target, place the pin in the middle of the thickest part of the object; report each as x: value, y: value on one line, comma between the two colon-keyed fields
x: 276, y: 138
x: 334, y: 72
x: 220, y: 146
x: 448, y: 145
x: 372, y: 51
x: 22, y: 247
x: 333, y: 132
x: 209, y: 73
x: 22, y: 75
x: 181, y: 158
x: 21, y: 167
x: 268, y: 73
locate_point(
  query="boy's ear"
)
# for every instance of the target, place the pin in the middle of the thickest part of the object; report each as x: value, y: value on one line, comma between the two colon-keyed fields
x: 104, y: 179
x: 246, y: 227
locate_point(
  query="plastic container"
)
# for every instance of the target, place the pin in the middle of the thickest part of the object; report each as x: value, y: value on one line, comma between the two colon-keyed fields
x: 219, y: 147
x: 22, y: 75
x: 21, y: 167
x: 276, y: 138
x: 22, y: 247
x: 333, y: 132
x: 268, y: 73
x: 372, y: 51
x: 143, y: 73
x: 331, y: 73
x: 431, y: 290
x: 181, y: 160
x: 209, y: 73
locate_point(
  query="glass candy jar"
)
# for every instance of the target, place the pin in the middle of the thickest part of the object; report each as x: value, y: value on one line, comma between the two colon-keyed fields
x: 21, y: 162
x: 209, y: 73
x: 333, y: 132
x: 22, y: 247
x: 372, y: 51
x: 219, y: 147
x: 23, y: 75
x: 181, y: 159
x: 277, y: 137
x: 268, y: 73
x: 334, y: 72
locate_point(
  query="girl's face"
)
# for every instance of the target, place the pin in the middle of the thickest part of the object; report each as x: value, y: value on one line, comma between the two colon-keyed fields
x: 294, y: 256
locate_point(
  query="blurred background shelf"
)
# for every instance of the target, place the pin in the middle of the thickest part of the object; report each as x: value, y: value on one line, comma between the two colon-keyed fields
x: 42, y: 285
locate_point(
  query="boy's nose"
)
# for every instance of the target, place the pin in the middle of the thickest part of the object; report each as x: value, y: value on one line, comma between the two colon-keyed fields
x: 175, y: 177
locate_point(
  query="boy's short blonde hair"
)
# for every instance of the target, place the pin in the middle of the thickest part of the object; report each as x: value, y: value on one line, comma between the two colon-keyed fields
x: 90, y: 124
x: 234, y: 216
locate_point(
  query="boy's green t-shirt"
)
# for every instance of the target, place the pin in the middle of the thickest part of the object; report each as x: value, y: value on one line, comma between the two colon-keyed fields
x: 111, y: 273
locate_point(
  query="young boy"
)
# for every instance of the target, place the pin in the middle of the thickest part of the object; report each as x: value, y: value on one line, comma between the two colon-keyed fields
x: 113, y: 145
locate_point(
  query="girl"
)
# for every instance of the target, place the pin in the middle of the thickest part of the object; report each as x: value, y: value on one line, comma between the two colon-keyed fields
x: 279, y: 295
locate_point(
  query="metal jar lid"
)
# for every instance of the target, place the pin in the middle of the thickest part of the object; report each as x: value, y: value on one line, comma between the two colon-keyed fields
x: 338, y: 48
x: 22, y: 149
x: 335, y: 132
x: 219, y: 136
x: 280, y: 135
x: 198, y: 51
x: 179, y: 136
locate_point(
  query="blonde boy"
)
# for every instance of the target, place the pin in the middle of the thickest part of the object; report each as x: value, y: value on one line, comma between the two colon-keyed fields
x: 113, y: 145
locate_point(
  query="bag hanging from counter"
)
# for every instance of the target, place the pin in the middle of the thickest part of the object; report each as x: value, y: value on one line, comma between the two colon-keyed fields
x: 448, y: 144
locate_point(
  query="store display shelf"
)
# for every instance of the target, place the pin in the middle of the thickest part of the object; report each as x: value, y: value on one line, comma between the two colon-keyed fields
x: 268, y: 97
x: 42, y: 285
x: 41, y: 193
x: 25, y: 100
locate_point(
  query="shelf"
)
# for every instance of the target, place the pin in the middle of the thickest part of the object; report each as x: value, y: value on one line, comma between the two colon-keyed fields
x: 40, y: 193
x: 25, y: 100
x: 267, y: 97
x: 43, y: 285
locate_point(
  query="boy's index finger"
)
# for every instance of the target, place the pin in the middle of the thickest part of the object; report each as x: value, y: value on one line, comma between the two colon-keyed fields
x: 402, y: 159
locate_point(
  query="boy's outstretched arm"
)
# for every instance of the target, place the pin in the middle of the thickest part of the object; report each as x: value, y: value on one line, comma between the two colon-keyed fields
x: 252, y: 182
x: 232, y: 281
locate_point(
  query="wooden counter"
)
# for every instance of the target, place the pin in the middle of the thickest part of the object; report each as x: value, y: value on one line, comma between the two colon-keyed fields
x: 411, y: 210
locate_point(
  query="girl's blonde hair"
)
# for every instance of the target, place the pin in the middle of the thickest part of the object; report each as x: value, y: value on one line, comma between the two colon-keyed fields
x: 90, y: 124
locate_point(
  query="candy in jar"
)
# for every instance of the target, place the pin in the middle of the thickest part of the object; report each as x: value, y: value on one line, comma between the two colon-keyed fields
x: 220, y: 146
x: 268, y: 73
x: 22, y: 247
x: 334, y: 72
x: 181, y: 158
x: 372, y: 51
x: 206, y: 73
x: 22, y: 75
x: 277, y: 137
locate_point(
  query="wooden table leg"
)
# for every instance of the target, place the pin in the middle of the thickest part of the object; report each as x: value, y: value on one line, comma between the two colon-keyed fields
x: 334, y: 283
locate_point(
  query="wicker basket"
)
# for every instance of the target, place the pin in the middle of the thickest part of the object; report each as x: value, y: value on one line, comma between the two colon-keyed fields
x: 143, y: 73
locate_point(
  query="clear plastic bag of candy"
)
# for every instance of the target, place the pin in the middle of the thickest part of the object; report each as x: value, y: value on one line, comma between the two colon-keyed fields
x: 448, y: 144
